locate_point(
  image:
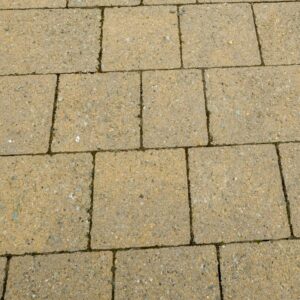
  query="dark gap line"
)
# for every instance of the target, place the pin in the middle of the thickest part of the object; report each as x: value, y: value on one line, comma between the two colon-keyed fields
x: 5, y: 277
x: 99, y: 68
x: 179, y: 36
x: 141, y: 112
x: 113, y: 282
x: 219, y: 272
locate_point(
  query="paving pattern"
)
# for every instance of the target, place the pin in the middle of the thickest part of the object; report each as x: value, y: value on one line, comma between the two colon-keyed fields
x: 149, y: 149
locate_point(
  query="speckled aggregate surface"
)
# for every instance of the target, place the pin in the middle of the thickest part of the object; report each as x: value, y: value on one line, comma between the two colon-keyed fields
x: 149, y: 149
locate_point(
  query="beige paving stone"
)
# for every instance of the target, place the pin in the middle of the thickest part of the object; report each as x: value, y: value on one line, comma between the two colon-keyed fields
x: 290, y: 159
x: 44, y: 203
x: 174, y: 109
x: 254, y: 105
x: 49, y: 41
x: 140, y: 199
x: 218, y: 35
x: 168, y: 273
x: 97, y: 112
x: 2, y: 273
x: 6, y: 4
x: 140, y: 38
x: 26, y: 104
x: 237, y: 194
x: 261, y: 271
x: 93, y: 3
x: 217, y: 1
x: 278, y: 27
x: 60, y: 276
x: 151, y: 2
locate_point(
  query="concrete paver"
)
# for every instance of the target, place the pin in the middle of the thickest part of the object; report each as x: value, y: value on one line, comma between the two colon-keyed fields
x: 60, y: 276
x: 98, y: 111
x: 140, y: 199
x: 218, y: 35
x: 174, y: 109
x: 169, y: 273
x: 261, y: 270
x: 2, y: 273
x: 290, y: 159
x: 26, y: 104
x: 140, y: 38
x: 17, y: 4
x: 49, y: 41
x: 95, y: 3
x: 278, y: 26
x: 236, y: 194
x: 44, y: 203
x: 254, y: 105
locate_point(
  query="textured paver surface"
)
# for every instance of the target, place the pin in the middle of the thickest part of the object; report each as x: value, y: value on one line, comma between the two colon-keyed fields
x: 149, y: 149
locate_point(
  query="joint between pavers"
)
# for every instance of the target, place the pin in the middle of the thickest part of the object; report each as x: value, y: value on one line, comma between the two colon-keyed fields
x: 5, y: 276
x: 99, y: 68
x: 141, y: 112
x: 287, y: 202
x: 179, y: 36
x: 219, y: 271
x: 192, y: 237
x: 113, y: 281
x: 53, y: 114
x: 257, y: 36
x: 89, y: 235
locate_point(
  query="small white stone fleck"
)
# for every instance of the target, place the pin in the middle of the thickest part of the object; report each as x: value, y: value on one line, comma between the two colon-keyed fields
x: 77, y: 139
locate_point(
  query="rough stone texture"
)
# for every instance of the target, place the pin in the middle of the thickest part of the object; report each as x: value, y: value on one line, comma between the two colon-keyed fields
x: 140, y: 38
x: 174, y: 109
x: 151, y: 2
x: 218, y: 35
x: 26, y: 105
x: 278, y: 27
x: 44, y: 203
x: 2, y: 273
x: 7, y: 4
x: 92, y: 3
x: 140, y: 199
x: 290, y: 159
x: 97, y: 112
x: 61, y: 276
x: 261, y: 271
x: 169, y: 273
x: 49, y: 41
x: 254, y: 105
x: 236, y: 194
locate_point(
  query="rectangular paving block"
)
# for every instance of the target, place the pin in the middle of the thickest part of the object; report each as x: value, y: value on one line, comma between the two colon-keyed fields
x: 290, y: 159
x: 218, y: 35
x: 98, y: 111
x: 49, y: 41
x: 95, y: 3
x: 15, y: 4
x: 278, y: 27
x: 237, y: 194
x: 60, y: 276
x: 26, y: 105
x: 140, y: 199
x: 44, y: 203
x: 2, y: 273
x: 168, y: 273
x: 261, y: 270
x: 174, y: 109
x: 254, y: 105
x: 140, y: 38
x: 153, y: 2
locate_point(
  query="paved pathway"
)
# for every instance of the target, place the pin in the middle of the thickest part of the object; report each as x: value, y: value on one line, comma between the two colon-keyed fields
x: 149, y: 150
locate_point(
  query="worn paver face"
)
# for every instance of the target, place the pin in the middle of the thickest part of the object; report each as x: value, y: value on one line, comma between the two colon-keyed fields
x: 140, y: 199
x: 254, y: 105
x: 153, y: 2
x: 93, y: 3
x: 278, y: 27
x: 218, y: 35
x: 236, y: 194
x: 97, y: 112
x: 44, y: 203
x: 26, y: 104
x: 261, y: 271
x: 290, y: 159
x: 2, y: 273
x: 61, y: 276
x: 174, y: 109
x: 169, y: 273
x: 31, y: 3
x: 49, y: 41
x: 140, y: 38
